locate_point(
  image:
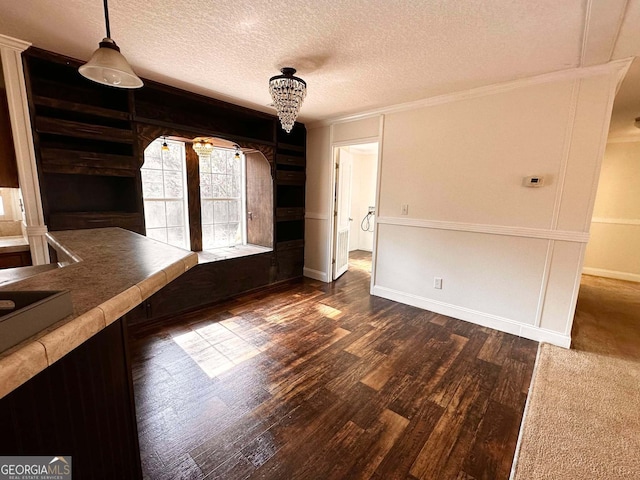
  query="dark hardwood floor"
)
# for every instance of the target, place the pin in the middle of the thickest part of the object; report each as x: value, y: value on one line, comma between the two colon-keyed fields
x: 323, y: 381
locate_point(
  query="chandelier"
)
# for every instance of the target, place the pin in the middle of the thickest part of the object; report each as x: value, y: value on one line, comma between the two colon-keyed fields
x: 288, y: 93
x: 202, y: 147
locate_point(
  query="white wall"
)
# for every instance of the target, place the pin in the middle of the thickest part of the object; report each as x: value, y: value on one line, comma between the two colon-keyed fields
x: 614, y: 247
x: 363, y: 195
x: 510, y: 257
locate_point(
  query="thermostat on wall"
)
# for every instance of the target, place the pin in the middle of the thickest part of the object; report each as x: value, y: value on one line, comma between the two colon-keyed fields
x: 533, y: 181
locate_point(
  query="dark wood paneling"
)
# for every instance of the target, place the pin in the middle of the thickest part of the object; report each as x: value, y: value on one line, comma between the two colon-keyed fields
x: 286, y: 177
x: 167, y: 106
x: 259, y: 200
x: 58, y: 160
x: 290, y: 263
x: 291, y: 160
x: 15, y: 259
x: 289, y: 213
x: 208, y: 283
x: 82, y: 108
x: 80, y: 220
x: 193, y: 198
x: 70, y: 128
x: 8, y: 166
x: 80, y: 406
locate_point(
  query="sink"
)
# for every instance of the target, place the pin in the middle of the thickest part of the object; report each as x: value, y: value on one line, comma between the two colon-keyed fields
x: 25, y: 313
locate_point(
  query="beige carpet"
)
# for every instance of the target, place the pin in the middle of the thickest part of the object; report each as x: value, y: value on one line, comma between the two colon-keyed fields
x: 583, y: 415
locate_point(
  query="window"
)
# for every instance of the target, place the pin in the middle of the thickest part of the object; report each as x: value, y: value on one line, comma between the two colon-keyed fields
x: 164, y: 190
x: 234, y: 208
x: 222, y: 180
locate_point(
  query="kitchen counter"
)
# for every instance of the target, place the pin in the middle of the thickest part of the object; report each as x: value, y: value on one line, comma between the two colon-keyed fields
x: 110, y: 272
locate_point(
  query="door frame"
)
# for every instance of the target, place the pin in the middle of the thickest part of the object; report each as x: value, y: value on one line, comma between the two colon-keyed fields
x: 332, y: 198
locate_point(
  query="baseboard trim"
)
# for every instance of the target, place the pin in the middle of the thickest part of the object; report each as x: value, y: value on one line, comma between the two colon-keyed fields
x: 315, y: 274
x: 601, y: 272
x: 474, y: 316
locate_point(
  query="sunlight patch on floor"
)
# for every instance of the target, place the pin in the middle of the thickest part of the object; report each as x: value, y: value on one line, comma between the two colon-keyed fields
x: 215, y: 348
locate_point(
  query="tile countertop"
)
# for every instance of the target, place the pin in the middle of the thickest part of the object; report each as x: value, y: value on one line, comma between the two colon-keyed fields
x: 112, y: 271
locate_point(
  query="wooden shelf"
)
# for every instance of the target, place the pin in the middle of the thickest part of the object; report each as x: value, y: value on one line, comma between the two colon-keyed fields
x: 291, y: 147
x: 77, y: 220
x: 80, y: 108
x: 82, y: 130
x: 291, y: 160
x: 291, y: 244
x: 73, y: 162
x: 289, y: 213
x: 287, y: 177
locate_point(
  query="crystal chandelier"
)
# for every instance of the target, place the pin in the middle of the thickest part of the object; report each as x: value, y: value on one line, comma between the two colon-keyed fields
x: 288, y: 93
x: 202, y: 147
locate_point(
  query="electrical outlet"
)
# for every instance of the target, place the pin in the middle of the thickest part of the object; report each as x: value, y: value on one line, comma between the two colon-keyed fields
x: 437, y: 283
x: 405, y: 209
x: 372, y: 209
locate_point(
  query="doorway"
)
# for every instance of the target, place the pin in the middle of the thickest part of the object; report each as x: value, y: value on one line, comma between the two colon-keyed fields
x: 356, y: 177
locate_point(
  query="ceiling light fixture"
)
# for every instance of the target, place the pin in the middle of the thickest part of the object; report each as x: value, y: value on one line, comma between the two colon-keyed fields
x: 107, y: 65
x: 165, y: 147
x: 202, y: 147
x: 288, y: 93
x: 237, y: 155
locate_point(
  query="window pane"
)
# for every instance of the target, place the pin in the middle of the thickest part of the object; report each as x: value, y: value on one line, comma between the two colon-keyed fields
x: 173, y: 184
x: 176, y: 236
x: 154, y: 214
x: 218, y: 162
x: 163, y: 188
x: 234, y: 210
x: 159, y: 234
x: 205, y: 165
x: 207, y: 237
x: 220, y: 236
x: 205, y: 178
x: 220, y: 211
x: 207, y: 212
x: 175, y: 213
x: 221, y: 186
x: 151, y: 183
x: 206, y: 191
x: 172, y: 160
x: 234, y: 233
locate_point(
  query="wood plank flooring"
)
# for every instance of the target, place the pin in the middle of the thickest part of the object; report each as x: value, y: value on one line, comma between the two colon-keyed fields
x: 323, y: 381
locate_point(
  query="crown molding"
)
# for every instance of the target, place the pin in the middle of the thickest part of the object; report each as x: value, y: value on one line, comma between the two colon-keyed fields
x: 14, y: 43
x: 617, y: 66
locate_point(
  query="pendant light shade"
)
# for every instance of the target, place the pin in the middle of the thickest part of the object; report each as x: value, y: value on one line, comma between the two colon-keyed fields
x: 107, y: 65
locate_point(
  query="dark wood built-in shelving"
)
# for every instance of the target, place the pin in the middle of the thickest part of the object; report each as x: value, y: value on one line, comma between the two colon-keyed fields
x: 90, y: 140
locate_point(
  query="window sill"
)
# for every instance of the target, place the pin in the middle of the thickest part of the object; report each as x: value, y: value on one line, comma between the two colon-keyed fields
x: 218, y: 254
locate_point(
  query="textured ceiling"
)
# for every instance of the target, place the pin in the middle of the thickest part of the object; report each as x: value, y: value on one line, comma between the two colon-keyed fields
x: 355, y: 55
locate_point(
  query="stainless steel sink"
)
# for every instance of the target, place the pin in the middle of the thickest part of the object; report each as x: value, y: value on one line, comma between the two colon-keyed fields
x: 25, y: 313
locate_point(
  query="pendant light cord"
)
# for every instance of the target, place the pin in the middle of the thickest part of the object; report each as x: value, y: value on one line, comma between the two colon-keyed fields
x: 106, y: 18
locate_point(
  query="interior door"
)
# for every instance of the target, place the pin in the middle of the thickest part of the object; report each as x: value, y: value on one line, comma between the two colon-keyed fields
x: 344, y: 166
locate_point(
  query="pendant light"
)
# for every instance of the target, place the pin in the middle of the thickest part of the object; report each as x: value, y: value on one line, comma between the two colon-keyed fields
x: 165, y: 147
x: 237, y: 154
x: 107, y: 65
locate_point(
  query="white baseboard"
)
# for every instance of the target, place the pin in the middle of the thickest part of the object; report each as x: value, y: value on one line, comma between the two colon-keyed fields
x: 474, y: 316
x: 601, y: 272
x: 315, y: 274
